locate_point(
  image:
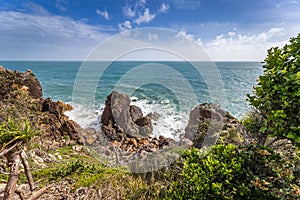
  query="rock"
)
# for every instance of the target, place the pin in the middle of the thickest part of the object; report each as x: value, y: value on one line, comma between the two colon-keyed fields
x: 120, y: 116
x: 65, y: 107
x: 52, y: 107
x: 135, y: 113
x: 57, y: 124
x: 207, y: 122
x: 10, y: 81
x: 2, y: 69
x: 116, y: 143
x: 143, y: 121
x: 77, y: 148
x: 89, y: 135
x: 34, y: 86
x: 108, y: 152
x: 154, y: 116
x: 133, y: 141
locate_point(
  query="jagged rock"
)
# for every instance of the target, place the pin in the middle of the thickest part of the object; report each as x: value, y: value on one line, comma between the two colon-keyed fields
x: 135, y: 113
x: 123, y: 118
x: 208, y: 122
x: 65, y: 107
x: 56, y: 123
x: 154, y: 116
x: 11, y: 81
x: 52, y: 107
x: 34, y: 86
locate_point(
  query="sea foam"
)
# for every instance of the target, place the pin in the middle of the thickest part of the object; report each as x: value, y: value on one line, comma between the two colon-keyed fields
x: 170, y: 123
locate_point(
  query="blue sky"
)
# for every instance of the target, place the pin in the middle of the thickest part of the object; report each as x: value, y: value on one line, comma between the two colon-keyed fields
x: 70, y: 29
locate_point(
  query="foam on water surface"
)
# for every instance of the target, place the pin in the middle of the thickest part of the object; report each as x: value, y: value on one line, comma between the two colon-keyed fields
x: 171, y: 123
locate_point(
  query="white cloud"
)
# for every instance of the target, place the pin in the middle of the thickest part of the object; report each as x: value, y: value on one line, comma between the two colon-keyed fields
x: 141, y: 3
x: 244, y: 47
x: 31, y: 36
x: 103, y: 14
x: 153, y: 36
x: 145, y: 17
x: 128, y: 12
x: 60, y: 5
x: 36, y: 8
x: 286, y: 2
x: 125, y: 26
x: 186, y: 4
x: 164, y: 8
x: 183, y: 35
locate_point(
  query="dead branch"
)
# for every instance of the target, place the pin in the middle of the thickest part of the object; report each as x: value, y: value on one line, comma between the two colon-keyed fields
x: 24, y: 159
x: 38, y: 193
x: 10, y: 188
x: 21, y: 193
x: 5, y: 151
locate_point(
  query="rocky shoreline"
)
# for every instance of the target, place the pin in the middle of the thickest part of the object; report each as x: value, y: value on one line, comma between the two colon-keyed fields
x: 125, y: 134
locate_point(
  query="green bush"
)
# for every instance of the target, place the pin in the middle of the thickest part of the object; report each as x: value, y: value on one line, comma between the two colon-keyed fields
x: 231, y: 172
x: 277, y: 95
x: 11, y: 131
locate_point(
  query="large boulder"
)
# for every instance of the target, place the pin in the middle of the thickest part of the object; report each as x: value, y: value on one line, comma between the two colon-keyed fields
x: 119, y: 118
x: 208, y: 123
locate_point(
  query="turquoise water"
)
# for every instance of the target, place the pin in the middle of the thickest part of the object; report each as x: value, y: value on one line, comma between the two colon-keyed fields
x: 58, y: 78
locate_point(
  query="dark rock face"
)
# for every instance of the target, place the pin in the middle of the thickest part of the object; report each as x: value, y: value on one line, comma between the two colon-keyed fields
x: 207, y: 122
x: 127, y: 129
x: 119, y: 117
x: 34, y: 86
x: 135, y: 113
x: 57, y: 124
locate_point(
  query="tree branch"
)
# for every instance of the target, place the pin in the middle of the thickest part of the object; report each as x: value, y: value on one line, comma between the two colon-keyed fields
x: 10, y: 188
x: 27, y: 170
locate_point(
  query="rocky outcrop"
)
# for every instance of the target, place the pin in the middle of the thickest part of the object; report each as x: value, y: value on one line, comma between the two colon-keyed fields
x: 120, y: 118
x: 125, y: 131
x: 21, y: 99
x: 57, y: 124
x: 208, y: 122
x: 14, y: 80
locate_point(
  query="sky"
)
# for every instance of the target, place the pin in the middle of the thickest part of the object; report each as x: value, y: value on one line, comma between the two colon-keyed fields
x: 228, y: 30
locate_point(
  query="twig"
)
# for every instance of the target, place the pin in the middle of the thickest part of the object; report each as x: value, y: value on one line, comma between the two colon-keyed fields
x: 10, y: 188
x: 21, y: 193
x: 38, y: 193
x: 27, y: 169
x: 5, y: 151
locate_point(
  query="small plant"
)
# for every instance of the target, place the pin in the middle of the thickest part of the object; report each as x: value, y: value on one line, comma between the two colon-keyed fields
x: 73, y: 167
x: 11, y: 131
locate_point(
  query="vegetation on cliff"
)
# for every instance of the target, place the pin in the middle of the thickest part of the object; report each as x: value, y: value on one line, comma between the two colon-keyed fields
x: 254, y: 171
x: 258, y: 158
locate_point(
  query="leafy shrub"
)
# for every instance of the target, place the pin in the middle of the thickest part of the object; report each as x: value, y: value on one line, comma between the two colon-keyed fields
x: 277, y: 95
x: 11, y: 131
x: 231, y: 172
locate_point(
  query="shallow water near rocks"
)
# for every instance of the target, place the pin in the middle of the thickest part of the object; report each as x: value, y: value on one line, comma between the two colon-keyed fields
x: 57, y: 80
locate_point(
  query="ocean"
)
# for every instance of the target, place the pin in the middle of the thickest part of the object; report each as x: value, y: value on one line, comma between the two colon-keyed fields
x: 161, y: 87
